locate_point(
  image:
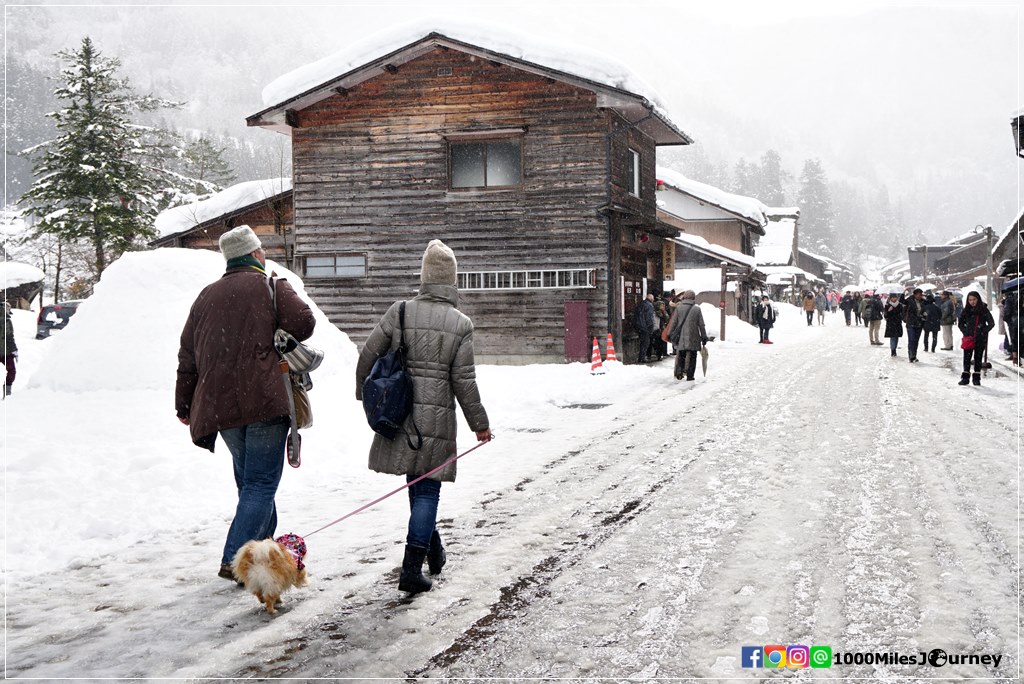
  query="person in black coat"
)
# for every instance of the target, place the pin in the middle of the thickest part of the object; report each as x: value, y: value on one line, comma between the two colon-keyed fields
x: 873, y: 318
x: 893, y: 313
x: 932, y: 322
x: 764, y: 313
x: 847, y: 306
x: 913, y: 314
x: 975, y: 322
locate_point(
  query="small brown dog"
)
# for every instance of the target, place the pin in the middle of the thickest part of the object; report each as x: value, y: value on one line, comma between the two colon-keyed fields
x: 268, y: 567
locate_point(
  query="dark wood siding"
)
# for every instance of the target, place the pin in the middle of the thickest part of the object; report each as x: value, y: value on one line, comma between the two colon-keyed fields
x: 370, y: 176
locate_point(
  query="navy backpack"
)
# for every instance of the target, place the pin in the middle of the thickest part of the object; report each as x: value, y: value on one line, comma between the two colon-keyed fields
x: 387, y: 391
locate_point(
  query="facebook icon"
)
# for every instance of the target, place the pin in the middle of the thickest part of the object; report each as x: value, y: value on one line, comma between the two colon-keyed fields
x: 750, y: 656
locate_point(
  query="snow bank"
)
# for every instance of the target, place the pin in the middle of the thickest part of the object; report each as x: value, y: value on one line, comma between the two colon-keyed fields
x: 15, y: 273
x: 186, y: 216
x: 125, y: 337
x: 571, y: 59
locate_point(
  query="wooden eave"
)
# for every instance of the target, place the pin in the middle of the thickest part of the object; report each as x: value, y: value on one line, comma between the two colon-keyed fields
x: 634, y: 108
x: 218, y: 220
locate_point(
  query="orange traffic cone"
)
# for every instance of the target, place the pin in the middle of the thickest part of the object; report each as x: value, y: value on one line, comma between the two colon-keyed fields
x: 596, y: 368
x: 611, y: 350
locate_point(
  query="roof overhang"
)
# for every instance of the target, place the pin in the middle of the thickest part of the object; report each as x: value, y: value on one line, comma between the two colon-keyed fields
x: 219, y: 220
x: 636, y: 109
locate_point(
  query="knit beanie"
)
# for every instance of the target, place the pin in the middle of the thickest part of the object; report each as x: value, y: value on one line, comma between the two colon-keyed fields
x: 439, y: 265
x: 239, y: 242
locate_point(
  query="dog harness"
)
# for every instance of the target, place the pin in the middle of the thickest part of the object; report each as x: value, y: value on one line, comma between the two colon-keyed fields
x: 296, y: 546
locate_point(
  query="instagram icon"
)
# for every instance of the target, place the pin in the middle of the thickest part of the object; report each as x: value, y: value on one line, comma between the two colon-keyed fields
x: 797, y: 656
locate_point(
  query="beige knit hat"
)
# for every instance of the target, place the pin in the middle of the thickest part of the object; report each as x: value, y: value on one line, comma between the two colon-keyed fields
x: 239, y: 242
x: 439, y: 265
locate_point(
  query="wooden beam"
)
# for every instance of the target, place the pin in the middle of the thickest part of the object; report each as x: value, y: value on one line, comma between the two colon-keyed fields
x: 291, y: 118
x: 341, y: 91
x: 391, y: 68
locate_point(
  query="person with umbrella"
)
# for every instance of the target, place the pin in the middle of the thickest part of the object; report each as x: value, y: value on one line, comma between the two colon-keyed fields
x: 893, y: 313
x: 975, y: 323
x: 687, y: 333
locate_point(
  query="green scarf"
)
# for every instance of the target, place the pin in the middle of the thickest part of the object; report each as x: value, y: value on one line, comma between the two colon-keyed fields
x: 246, y: 261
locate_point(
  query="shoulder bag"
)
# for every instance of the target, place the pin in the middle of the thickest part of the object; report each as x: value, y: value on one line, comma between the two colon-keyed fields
x: 298, y: 360
x: 388, y: 394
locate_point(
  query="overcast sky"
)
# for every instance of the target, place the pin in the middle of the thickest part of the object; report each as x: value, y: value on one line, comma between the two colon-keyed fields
x: 907, y: 94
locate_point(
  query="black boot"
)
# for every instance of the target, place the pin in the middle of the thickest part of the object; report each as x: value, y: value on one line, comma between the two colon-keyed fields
x: 964, y: 378
x: 436, y: 557
x: 412, y: 579
x: 976, y: 378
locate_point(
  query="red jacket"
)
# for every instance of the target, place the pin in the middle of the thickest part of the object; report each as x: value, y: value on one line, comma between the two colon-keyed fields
x: 227, y: 368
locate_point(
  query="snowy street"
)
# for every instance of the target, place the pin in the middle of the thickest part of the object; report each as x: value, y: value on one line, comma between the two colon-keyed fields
x: 815, y: 491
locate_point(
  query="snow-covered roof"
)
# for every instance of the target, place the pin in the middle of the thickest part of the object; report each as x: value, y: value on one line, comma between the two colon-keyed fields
x: 368, y: 57
x: 776, y: 246
x: 15, y: 273
x: 699, y: 280
x: 700, y: 243
x: 753, y: 210
x: 830, y: 261
x: 1012, y: 229
x: 240, y: 196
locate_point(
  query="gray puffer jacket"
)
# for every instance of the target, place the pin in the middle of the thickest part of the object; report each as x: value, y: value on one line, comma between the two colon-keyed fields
x: 687, y: 332
x: 439, y: 357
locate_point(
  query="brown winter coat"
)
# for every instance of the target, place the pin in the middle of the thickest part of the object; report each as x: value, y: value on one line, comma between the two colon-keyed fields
x: 808, y: 303
x: 439, y: 357
x: 228, y: 372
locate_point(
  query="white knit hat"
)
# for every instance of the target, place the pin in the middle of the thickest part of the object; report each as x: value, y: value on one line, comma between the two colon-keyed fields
x: 439, y: 265
x: 239, y: 242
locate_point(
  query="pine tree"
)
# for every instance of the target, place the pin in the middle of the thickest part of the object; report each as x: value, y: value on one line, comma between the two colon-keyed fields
x: 745, y: 180
x: 97, y: 182
x: 817, y: 229
x: 771, y: 176
x: 202, y: 163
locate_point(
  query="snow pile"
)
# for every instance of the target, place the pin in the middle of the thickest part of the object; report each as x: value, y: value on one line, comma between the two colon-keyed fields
x: 125, y: 337
x: 747, y: 207
x: 571, y: 59
x: 15, y: 273
x: 187, y: 216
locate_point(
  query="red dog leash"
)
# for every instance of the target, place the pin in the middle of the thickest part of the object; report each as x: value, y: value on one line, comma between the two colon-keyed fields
x: 444, y: 465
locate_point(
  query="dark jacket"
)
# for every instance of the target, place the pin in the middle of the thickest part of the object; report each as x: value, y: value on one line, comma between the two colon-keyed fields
x: 948, y: 309
x: 439, y: 357
x: 764, y: 315
x: 932, y: 316
x: 228, y: 372
x: 976, y: 321
x: 643, y: 317
x: 893, y: 320
x: 872, y: 309
x: 847, y: 303
x: 913, y: 311
x: 10, y: 346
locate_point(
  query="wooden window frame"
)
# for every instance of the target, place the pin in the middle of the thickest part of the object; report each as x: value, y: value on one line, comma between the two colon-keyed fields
x: 334, y: 276
x: 528, y: 279
x: 485, y: 137
x: 634, y: 181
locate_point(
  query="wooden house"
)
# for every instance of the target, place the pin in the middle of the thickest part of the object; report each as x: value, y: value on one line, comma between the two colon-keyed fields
x: 730, y: 223
x: 265, y: 206
x: 1007, y: 250
x: 538, y: 172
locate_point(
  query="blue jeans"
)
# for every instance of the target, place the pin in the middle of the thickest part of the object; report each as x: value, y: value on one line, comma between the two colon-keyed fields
x: 913, y: 337
x: 257, y: 451
x: 893, y: 343
x: 423, y: 498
